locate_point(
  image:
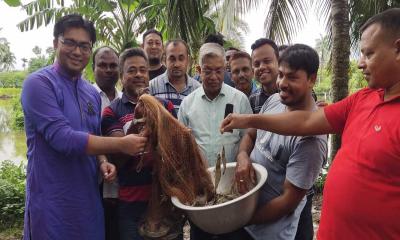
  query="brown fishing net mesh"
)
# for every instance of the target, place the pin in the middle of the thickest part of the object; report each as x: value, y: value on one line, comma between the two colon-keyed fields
x: 182, y: 171
x: 178, y: 166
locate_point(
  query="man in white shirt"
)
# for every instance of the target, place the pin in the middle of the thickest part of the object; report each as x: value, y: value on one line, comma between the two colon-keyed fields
x: 105, y: 69
x: 106, y: 72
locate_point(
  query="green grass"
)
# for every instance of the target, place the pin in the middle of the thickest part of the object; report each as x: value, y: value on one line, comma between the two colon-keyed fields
x: 14, y: 233
x: 11, y: 92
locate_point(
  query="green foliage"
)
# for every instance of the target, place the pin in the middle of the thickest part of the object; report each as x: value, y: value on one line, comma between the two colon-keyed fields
x: 12, y: 79
x: 36, y: 63
x: 323, y: 84
x: 13, y: 3
x: 17, y: 120
x: 320, y: 182
x: 324, y: 81
x: 7, y: 58
x: 40, y: 60
x: 13, y: 233
x: 357, y: 80
x: 88, y: 73
x: 11, y: 92
x: 17, y: 115
x: 186, y: 20
x: 116, y: 21
x: 12, y: 194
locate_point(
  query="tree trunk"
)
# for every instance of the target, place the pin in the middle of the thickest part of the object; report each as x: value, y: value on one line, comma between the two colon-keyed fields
x: 340, y: 56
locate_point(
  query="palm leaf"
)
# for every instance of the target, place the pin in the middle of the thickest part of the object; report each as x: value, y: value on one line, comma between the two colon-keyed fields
x: 285, y: 18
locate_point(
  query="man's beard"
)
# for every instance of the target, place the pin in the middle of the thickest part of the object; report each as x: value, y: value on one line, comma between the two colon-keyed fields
x: 154, y: 61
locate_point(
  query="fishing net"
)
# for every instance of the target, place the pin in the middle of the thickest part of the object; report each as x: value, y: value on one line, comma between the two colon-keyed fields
x: 179, y: 169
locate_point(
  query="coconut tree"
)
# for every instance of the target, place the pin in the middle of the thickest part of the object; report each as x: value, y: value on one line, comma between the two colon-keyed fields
x: 24, y: 61
x: 340, y: 56
x: 323, y: 49
x: 228, y: 17
x: 233, y: 34
x: 7, y: 58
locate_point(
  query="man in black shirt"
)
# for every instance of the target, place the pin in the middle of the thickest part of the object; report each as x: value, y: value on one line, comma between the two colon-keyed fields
x: 264, y: 58
x: 153, y: 46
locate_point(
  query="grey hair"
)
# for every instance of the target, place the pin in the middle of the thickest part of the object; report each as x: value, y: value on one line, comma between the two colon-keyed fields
x: 211, y: 49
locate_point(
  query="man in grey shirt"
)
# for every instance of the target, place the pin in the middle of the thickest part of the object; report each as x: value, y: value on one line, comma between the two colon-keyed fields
x: 175, y: 84
x: 293, y: 163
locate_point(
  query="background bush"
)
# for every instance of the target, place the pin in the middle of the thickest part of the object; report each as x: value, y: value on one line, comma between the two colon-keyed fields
x: 320, y: 182
x: 12, y: 79
x: 12, y: 194
x: 17, y: 120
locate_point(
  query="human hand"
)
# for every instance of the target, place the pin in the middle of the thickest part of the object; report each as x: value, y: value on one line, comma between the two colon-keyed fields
x: 244, y: 174
x: 108, y: 170
x: 132, y: 144
x: 233, y: 121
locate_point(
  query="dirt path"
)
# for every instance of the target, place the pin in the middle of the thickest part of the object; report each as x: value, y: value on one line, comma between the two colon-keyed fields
x: 316, y: 212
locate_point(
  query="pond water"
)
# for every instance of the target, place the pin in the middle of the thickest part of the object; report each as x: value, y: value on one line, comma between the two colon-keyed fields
x: 12, y: 143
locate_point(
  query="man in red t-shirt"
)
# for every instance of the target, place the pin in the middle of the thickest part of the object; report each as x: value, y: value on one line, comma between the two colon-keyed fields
x: 362, y: 191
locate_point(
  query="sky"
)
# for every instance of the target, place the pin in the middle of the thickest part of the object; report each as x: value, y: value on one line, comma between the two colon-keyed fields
x: 21, y: 43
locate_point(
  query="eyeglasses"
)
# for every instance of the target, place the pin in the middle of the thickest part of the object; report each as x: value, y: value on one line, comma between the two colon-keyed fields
x: 208, y: 72
x: 70, y: 45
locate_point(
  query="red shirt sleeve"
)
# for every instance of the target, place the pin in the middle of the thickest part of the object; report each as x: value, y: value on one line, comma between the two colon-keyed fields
x: 337, y: 113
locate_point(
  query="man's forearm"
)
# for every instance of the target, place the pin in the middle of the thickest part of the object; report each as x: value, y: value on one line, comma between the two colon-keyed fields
x: 247, y: 143
x: 297, y: 123
x: 280, y: 206
x: 272, y: 211
x: 101, y: 145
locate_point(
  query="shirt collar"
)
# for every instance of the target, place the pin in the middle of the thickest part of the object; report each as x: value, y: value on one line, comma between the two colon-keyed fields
x: 165, y: 79
x: 223, y: 92
x: 118, y: 94
x: 265, y: 93
x: 125, y: 99
x: 98, y: 89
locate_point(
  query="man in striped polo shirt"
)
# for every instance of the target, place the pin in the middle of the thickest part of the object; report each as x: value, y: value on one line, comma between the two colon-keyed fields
x: 134, y: 179
x: 175, y: 84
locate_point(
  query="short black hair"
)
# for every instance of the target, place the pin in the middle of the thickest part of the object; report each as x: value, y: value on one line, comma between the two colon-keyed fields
x: 98, y: 50
x: 389, y: 20
x: 128, y: 53
x: 282, y: 47
x: 240, y: 54
x: 262, y: 41
x: 215, y: 38
x: 74, y: 21
x: 150, y: 31
x: 301, y: 56
x: 175, y: 42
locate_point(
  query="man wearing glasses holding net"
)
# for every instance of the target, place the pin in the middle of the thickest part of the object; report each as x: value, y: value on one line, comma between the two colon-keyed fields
x: 62, y: 124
